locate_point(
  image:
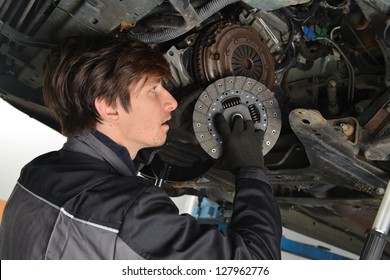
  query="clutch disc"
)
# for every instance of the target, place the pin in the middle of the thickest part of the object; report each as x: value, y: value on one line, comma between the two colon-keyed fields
x: 236, y: 95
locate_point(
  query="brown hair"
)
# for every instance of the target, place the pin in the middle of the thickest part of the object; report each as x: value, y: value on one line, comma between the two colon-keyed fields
x: 82, y: 69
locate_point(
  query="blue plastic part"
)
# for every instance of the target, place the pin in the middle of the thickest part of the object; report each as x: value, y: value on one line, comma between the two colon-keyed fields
x: 222, y: 226
x: 308, y: 33
x: 211, y: 212
x: 308, y: 251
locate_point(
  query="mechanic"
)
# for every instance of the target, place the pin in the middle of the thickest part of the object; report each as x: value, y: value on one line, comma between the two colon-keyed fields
x: 86, y: 201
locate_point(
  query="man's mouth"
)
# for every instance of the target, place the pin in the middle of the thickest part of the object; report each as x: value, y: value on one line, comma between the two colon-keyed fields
x: 165, y: 124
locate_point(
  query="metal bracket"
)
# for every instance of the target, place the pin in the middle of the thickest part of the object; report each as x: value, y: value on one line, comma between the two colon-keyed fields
x: 333, y: 152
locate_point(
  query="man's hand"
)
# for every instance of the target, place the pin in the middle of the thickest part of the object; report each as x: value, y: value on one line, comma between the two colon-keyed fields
x: 242, y: 145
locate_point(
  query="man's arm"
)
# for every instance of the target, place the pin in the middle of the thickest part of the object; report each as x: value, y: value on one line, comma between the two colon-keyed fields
x: 154, y: 229
x: 255, y: 210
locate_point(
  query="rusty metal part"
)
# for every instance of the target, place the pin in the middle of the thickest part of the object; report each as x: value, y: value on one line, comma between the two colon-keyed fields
x: 378, y: 123
x: 344, y: 6
x: 359, y: 215
x: 375, y: 135
x: 334, y: 157
x: 230, y: 49
x: 124, y: 26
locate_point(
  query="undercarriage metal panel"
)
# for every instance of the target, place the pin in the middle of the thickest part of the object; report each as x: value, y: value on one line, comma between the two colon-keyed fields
x: 100, y: 16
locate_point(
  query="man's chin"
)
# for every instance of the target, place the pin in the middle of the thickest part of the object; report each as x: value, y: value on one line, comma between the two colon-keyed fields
x: 160, y: 142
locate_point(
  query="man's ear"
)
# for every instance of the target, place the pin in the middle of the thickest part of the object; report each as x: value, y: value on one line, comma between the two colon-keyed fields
x: 106, y: 111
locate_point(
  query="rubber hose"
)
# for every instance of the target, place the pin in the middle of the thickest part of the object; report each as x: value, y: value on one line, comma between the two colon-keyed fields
x: 171, y: 19
x: 204, y: 13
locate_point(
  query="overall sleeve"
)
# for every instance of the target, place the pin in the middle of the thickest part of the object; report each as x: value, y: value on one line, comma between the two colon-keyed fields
x: 154, y: 230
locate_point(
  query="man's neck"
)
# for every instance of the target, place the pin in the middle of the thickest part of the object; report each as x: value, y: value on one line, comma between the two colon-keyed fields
x: 121, y: 151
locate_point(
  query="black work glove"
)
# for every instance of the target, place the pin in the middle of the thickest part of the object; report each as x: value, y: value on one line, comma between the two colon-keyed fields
x: 242, y: 145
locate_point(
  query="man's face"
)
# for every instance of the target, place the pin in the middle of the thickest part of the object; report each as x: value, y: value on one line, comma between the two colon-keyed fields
x: 145, y: 123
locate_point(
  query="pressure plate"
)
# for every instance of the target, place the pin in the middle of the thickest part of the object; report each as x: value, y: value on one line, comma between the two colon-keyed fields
x: 236, y: 95
x: 231, y: 49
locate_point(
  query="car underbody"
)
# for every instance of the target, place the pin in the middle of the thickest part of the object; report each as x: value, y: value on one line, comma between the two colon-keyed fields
x: 314, y: 75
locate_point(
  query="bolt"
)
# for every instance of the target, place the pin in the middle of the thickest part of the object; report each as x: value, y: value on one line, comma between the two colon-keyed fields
x: 347, y: 129
x: 379, y: 191
x: 190, y: 41
x: 388, y: 108
x: 214, y: 56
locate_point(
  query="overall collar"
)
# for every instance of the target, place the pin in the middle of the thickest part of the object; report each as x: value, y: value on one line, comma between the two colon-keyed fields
x: 100, y: 146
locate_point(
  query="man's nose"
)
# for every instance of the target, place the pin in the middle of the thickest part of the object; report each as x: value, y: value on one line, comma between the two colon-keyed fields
x: 170, y: 103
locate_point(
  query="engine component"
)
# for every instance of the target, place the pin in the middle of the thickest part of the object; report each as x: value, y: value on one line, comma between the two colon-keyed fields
x: 232, y: 96
x: 180, y: 76
x: 273, y: 5
x: 272, y: 28
x: 333, y: 107
x: 229, y: 49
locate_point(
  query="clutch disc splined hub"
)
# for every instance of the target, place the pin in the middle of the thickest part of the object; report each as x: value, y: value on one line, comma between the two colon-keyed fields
x: 236, y: 95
